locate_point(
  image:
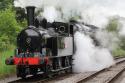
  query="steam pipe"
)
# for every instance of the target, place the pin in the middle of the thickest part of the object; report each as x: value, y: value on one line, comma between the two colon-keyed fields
x: 30, y: 15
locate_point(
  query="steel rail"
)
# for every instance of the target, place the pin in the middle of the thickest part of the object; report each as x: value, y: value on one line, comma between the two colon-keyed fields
x: 112, y: 80
x: 118, y: 61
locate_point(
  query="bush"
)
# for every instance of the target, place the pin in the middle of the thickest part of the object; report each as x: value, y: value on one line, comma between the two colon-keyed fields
x: 119, y: 52
x: 8, y: 28
x: 5, y: 4
x: 113, y: 25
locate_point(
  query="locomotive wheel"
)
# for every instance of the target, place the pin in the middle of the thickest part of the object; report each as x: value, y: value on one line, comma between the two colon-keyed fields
x: 21, y: 72
x: 23, y: 76
x: 47, y: 71
x: 67, y: 64
x: 68, y: 70
x: 33, y: 71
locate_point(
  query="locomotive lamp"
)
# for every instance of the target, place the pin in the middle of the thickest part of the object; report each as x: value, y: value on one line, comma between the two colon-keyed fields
x: 9, y: 61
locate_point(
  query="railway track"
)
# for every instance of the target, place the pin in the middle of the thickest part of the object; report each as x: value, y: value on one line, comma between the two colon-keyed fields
x: 40, y: 78
x: 106, y: 75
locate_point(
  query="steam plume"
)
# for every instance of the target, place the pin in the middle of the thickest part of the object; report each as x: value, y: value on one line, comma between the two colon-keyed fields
x: 96, y: 12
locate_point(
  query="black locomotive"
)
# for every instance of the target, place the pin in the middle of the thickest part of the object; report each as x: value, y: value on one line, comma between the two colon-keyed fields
x: 45, y: 47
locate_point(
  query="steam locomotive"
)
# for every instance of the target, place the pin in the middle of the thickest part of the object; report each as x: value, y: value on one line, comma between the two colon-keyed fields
x: 45, y: 47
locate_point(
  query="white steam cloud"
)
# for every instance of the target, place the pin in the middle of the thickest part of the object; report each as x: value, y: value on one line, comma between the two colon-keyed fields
x: 94, y: 12
x: 88, y: 57
x: 50, y: 16
x: 107, y: 39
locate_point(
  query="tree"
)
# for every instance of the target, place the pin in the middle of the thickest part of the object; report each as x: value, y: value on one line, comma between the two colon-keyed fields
x: 5, y: 4
x: 8, y: 28
x: 113, y: 24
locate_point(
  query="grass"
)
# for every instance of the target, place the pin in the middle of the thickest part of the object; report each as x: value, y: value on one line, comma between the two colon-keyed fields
x: 6, y: 70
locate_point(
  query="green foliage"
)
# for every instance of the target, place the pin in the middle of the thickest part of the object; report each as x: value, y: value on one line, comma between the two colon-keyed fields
x: 113, y: 25
x: 75, y: 18
x: 8, y: 28
x: 4, y: 42
x: 5, y: 4
x: 122, y: 43
x: 6, y: 70
x: 20, y: 14
x: 23, y: 23
x: 119, y: 52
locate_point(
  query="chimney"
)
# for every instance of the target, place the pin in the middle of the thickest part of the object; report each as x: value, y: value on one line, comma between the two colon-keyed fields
x: 30, y: 15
